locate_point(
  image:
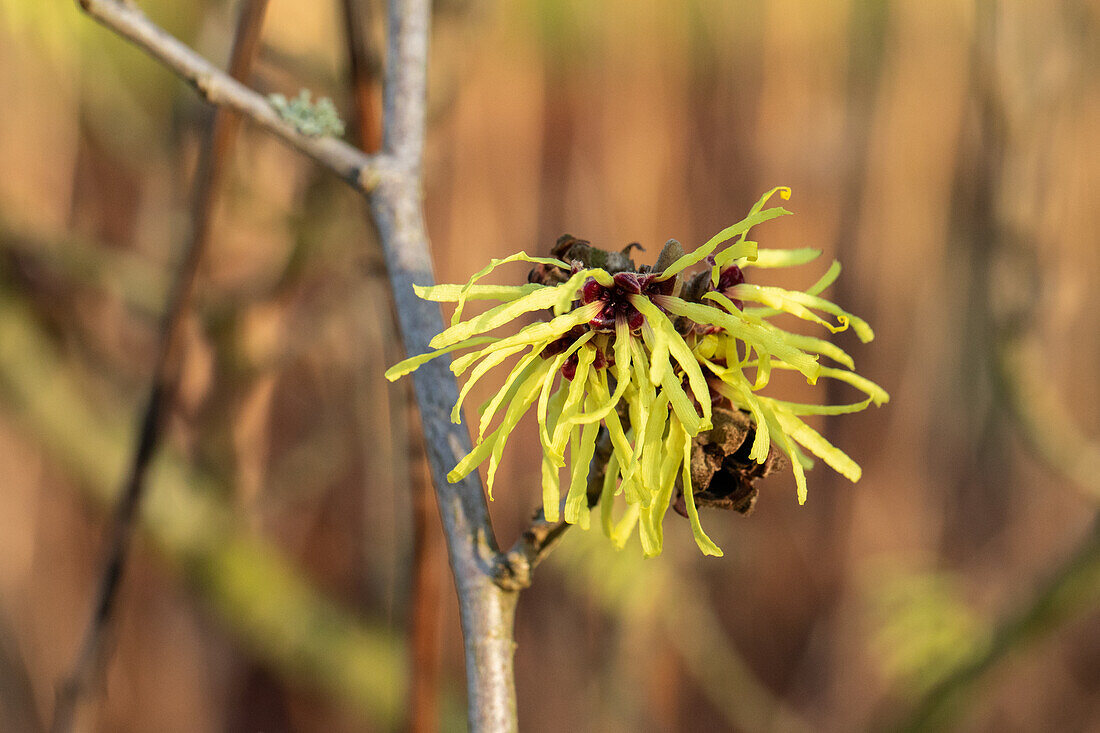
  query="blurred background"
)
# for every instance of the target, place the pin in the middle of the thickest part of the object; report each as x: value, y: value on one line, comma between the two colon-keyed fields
x: 948, y: 153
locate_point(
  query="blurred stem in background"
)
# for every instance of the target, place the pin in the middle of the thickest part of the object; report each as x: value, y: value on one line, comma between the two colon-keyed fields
x: 1028, y: 400
x: 392, y: 183
x: 670, y: 602
x: 1041, y: 416
x: 428, y: 552
x: 1073, y: 589
x: 17, y: 701
x: 93, y: 653
x: 1006, y: 310
x: 363, y: 66
x: 281, y: 619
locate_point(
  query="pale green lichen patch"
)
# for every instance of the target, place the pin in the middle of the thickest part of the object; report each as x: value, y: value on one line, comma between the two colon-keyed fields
x: 313, y: 119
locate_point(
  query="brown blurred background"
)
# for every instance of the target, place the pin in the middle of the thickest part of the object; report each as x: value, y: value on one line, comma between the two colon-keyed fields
x: 948, y: 153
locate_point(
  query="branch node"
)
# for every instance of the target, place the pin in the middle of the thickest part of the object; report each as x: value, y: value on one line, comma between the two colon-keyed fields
x: 513, y: 571
x: 204, y: 84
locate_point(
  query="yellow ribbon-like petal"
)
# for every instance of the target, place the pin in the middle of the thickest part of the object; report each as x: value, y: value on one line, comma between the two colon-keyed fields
x: 452, y: 293
x: 463, y: 295
x: 413, y: 363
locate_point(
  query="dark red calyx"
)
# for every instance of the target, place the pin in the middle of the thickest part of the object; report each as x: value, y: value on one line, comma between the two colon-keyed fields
x: 630, y: 282
x: 728, y: 278
x: 616, y: 300
x: 659, y: 287
x: 559, y: 345
x: 592, y: 291
x: 569, y: 368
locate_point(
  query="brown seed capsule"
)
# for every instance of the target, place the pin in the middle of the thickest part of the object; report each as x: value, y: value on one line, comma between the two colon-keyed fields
x: 722, y: 473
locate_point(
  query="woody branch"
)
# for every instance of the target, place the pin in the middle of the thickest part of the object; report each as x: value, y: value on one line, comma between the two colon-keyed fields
x: 391, y: 182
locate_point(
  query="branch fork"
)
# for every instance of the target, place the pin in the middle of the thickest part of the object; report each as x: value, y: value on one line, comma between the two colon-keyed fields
x: 391, y: 183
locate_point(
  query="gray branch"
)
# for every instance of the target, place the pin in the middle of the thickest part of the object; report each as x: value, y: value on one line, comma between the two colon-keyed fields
x: 393, y: 185
x: 217, y: 87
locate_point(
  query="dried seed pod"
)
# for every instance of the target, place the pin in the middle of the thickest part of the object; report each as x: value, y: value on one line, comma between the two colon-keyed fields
x: 721, y: 470
x: 570, y: 249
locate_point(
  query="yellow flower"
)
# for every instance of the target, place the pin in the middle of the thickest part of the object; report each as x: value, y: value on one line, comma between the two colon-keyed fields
x: 644, y: 354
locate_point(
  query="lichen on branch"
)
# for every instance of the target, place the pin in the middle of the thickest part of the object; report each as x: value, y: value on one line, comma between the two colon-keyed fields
x: 312, y: 119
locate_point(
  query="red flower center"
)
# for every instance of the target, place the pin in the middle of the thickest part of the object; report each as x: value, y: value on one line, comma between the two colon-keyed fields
x: 616, y: 299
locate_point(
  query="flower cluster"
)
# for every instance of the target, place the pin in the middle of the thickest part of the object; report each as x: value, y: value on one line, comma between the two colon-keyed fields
x: 649, y: 355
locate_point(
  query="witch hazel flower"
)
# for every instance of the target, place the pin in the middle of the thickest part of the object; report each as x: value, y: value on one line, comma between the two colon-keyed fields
x: 668, y: 368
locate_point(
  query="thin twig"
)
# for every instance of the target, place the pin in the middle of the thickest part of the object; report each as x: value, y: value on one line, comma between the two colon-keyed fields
x: 393, y: 181
x: 487, y: 612
x: 352, y: 165
x: 166, y: 370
